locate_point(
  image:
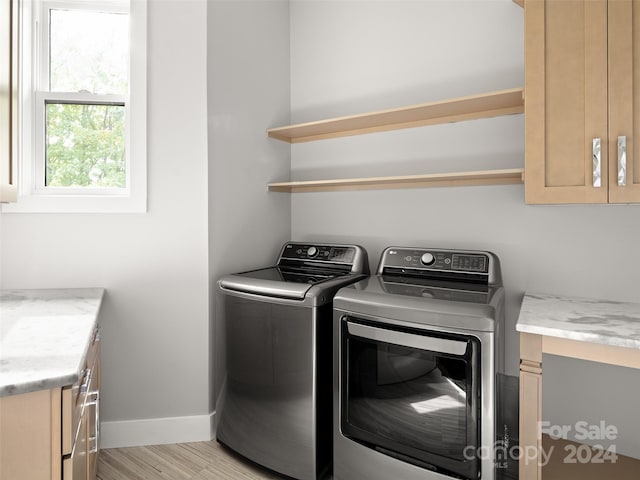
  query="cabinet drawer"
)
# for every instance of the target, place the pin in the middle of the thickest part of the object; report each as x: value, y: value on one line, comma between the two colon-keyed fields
x: 75, y: 397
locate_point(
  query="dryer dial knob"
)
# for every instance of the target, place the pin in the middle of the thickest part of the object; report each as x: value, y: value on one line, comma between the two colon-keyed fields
x: 428, y: 259
x: 312, y: 252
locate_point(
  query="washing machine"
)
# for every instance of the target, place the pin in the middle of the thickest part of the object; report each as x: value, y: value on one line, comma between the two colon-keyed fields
x: 417, y: 351
x: 275, y: 407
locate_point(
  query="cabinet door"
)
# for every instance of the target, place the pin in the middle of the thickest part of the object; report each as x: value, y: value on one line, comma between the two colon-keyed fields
x: 624, y: 101
x: 565, y: 101
x: 30, y: 436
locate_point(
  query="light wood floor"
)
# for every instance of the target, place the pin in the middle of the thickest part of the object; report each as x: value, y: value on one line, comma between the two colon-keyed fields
x: 185, y: 461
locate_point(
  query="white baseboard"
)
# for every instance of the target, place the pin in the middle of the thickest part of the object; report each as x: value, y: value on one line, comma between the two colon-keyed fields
x: 156, y: 431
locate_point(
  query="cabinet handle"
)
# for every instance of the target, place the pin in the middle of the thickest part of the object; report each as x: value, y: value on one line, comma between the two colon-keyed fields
x: 87, y: 380
x: 622, y: 161
x: 597, y: 165
x: 94, y: 399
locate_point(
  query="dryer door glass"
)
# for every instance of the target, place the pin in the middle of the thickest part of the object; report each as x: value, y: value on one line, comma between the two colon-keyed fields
x: 412, y: 394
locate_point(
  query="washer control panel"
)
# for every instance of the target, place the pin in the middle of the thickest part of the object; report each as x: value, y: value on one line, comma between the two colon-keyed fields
x: 322, y: 253
x: 436, y: 260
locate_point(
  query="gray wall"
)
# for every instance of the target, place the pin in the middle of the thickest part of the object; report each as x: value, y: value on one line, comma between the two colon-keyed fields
x: 218, y: 77
x: 154, y: 266
x: 350, y: 57
x: 248, y: 91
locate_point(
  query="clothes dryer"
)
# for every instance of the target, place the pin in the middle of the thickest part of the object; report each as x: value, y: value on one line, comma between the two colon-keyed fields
x: 418, y: 348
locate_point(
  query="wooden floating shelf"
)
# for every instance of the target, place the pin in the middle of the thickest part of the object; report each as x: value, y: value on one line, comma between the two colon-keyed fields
x: 520, y: 3
x: 485, y: 177
x: 504, y: 102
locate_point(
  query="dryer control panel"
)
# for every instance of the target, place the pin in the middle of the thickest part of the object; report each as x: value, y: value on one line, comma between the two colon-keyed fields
x: 438, y: 262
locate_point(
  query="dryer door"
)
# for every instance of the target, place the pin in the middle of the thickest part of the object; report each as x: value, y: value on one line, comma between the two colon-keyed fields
x: 412, y: 394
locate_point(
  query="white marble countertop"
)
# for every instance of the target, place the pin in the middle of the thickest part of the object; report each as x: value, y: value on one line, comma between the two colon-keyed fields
x: 44, y: 337
x: 588, y: 320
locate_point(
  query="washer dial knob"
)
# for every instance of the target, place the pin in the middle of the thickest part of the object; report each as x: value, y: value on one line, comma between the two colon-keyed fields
x: 428, y: 259
x: 312, y: 252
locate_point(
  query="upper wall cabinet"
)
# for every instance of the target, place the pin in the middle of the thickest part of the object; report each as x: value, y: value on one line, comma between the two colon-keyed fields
x: 624, y: 101
x: 582, y: 101
x: 8, y: 99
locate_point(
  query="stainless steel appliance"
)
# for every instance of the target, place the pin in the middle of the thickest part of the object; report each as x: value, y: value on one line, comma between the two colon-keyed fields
x: 417, y: 349
x: 276, y: 404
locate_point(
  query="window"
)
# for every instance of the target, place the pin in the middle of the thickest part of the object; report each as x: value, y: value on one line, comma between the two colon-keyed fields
x: 8, y: 99
x: 83, y: 103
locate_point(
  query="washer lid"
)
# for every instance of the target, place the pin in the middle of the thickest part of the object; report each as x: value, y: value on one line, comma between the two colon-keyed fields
x: 311, y: 272
x: 274, y: 282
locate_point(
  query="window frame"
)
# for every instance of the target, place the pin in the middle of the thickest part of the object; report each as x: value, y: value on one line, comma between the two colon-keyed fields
x: 34, y: 196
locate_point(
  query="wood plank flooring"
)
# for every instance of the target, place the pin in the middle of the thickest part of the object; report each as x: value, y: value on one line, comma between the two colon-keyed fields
x: 185, y: 461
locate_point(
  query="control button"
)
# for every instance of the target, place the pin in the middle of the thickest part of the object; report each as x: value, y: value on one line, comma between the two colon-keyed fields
x: 408, y: 258
x: 312, y: 252
x: 447, y: 261
x: 427, y: 259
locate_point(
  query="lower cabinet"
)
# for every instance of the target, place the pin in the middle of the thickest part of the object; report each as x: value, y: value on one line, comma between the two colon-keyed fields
x: 53, y: 434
